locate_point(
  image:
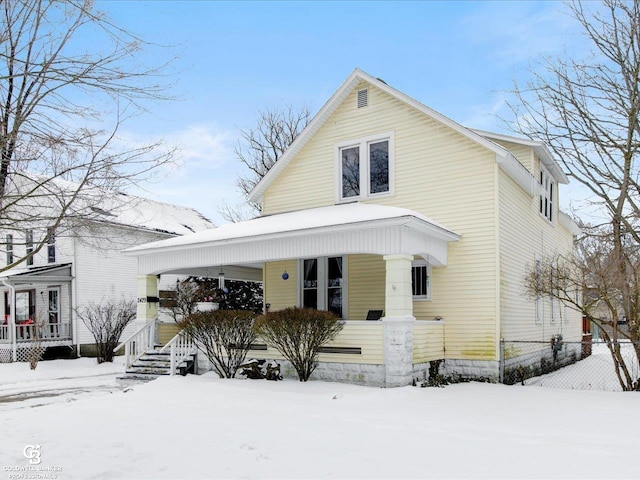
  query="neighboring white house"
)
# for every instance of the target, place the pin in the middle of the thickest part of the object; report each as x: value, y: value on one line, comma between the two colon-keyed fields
x: 80, y: 264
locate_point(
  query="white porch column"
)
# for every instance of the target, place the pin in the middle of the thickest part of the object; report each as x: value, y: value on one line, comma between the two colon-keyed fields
x: 398, y: 321
x: 147, y: 290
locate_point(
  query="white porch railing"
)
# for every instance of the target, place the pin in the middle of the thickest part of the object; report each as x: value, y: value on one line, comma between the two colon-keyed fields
x: 138, y: 343
x: 27, y: 332
x: 180, y: 348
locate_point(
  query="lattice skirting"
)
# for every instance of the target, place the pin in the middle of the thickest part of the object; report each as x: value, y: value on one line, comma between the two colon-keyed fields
x: 23, y: 353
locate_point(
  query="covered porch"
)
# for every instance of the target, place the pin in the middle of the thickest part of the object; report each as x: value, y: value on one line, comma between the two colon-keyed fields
x: 36, y: 310
x: 352, y: 259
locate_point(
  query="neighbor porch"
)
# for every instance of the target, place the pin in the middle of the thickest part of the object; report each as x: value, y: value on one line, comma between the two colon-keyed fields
x: 37, y: 314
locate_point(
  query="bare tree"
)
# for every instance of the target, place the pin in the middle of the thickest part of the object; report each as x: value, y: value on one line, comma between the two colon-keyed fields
x: 260, y: 148
x: 589, y: 282
x: 106, y: 321
x: 69, y: 79
x: 224, y: 335
x: 588, y: 112
x: 298, y: 334
x: 183, y: 299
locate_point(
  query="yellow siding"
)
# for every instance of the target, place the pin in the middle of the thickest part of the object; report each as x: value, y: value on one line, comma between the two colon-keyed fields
x: 520, y: 243
x: 428, y: 341
x: 438, y: 173
x: 367, y: 336
x: 522, y: 153
x: 166, y: 331
x: 280, y: 293
x: 366, y: 283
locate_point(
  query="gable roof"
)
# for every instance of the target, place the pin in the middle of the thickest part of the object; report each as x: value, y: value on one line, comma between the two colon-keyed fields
x: 540, y: 149
x: 503, y: 156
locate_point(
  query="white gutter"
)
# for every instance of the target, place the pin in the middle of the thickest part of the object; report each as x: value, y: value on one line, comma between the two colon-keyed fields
x: 12, y: 318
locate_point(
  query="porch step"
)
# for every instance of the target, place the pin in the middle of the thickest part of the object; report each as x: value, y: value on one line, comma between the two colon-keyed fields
x: 152, y: 365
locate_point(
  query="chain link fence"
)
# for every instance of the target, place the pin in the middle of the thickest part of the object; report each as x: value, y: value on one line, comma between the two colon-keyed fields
x: 586, y: 365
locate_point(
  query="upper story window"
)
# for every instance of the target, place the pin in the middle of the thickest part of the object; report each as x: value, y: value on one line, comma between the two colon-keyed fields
x: 29, y: 244
x: 546, y: 197
x: 365, y: 168
x: 51, y: 245
x: 9, y: 243
x: 421, y: 280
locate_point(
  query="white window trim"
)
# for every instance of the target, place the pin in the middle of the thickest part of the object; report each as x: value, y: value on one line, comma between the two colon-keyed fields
x: 544, y: 194
x: 322, y: 282
x: 420, y: 263
x: 363, y: 143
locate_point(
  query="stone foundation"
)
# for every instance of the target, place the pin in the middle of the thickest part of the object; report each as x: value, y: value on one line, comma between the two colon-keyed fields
x: 472, y: 369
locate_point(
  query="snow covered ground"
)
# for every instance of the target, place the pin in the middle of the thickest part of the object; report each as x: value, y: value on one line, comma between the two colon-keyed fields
x: 204, y: 427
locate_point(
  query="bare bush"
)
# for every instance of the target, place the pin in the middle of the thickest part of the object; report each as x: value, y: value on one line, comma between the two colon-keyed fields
x: 225, y: 336
x: 106, y: 321
x: 298, y: 334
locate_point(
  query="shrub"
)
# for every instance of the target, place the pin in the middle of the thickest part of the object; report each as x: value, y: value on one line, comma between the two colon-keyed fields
x: 106, y: 322
x: 225, y: 336
x: 298, y: 334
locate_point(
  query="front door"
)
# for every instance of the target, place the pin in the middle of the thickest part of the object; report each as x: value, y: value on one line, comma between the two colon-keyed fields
x: 54, y: 313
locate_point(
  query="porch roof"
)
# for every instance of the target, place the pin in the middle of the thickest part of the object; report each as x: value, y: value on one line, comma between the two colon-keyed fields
x: 333, y: 230
x: 43, y: 274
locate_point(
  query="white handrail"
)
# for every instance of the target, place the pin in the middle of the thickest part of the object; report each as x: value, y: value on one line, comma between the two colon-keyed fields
x: 180, y: 347
x: 138, y: 343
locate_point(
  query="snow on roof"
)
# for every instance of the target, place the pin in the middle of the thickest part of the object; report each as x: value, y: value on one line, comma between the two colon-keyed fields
x: 149, y: 214
x: 333, y: 215
x: 109, y: 206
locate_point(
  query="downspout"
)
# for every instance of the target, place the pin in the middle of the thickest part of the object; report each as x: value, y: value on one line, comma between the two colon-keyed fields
x: 73, y: 298
x: 12, y: 318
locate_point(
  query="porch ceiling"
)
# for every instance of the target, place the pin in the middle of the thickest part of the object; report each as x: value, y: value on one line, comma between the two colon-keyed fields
x: 353, y: 228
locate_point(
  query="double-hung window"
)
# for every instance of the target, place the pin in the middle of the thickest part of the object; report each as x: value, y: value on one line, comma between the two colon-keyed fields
x: 9, y: 245
x: 51, y: 245
x: 323, y: 284
x: 421, y: 280
x: 365, y: 167
x: 546, y: 196
x: 29, y: 243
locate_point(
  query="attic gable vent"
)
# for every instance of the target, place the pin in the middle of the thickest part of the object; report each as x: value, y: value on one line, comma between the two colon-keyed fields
x: 363, y: 98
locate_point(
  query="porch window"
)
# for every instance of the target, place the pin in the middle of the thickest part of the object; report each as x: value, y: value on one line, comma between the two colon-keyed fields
x: 9, y: 245
x: 29, y: 244
x: 51, y: 245
x: 421, y: 280
x: 25, y: 305
x: 365, y: 167
x: 322, y: 284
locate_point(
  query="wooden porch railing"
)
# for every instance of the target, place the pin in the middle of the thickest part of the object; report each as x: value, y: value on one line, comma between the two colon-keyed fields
x: 138, y: 343
x: 26, y: 332
x: 180, y: 348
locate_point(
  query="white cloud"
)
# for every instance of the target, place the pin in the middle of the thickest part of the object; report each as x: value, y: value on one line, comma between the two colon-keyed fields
x: 516, y: 32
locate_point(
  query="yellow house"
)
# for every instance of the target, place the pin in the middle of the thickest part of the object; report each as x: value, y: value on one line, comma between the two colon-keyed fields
x: 382, y: 204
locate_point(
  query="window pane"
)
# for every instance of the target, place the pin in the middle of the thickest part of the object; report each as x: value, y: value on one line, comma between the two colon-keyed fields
x: 335, y: 301
x: 334, y: 285
x: 379, y: 167
x: 310, y: 284
x: 420, y: 280
x: 310, y: 298
x: 350, y: 172
x: 22, y: 306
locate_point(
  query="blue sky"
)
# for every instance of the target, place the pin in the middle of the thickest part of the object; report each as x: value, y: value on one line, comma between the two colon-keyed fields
x: 235, y: 58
